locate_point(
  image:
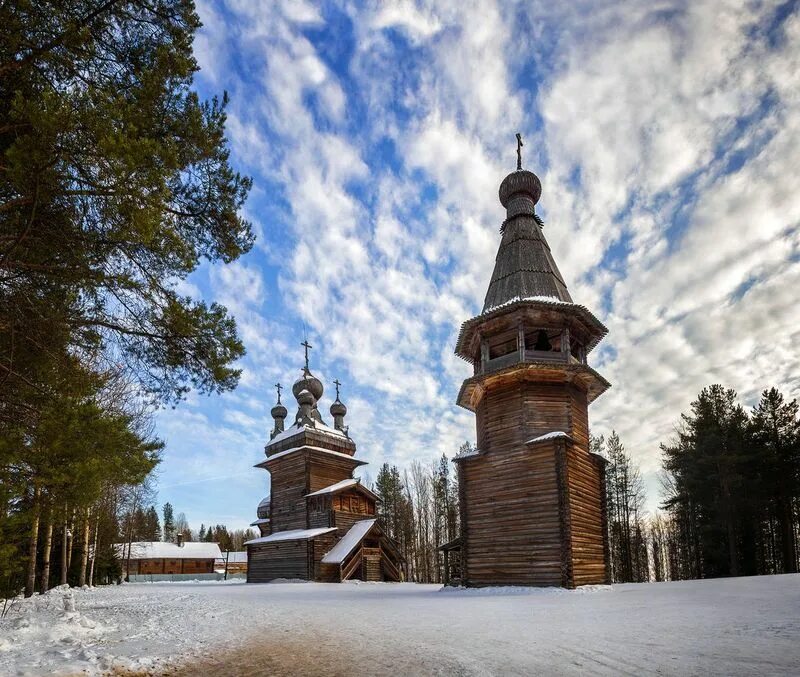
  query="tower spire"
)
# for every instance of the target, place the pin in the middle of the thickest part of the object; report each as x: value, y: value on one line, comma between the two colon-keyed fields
x: 524, y: 267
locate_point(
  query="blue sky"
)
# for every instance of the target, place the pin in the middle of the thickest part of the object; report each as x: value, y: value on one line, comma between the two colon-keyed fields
x: 667, y: 138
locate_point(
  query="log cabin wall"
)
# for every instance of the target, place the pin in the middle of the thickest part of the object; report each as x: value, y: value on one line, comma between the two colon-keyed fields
x: 511, y: 521
x: 288, y: 481
x: 579, y: 418
x: 319, y: 513
x: 587, y: 534
x: 520, y: 526
x: 324, y: 470
x: 316, y: 551
x: 172, y: 566
x: 284, y: 559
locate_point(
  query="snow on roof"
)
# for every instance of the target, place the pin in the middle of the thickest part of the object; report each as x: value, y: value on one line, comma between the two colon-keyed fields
x: 556, y: 434
x: 338, y: 454
x: 297, y: 428
x: 467, y: 454
x: 291, y: 535
x: 263, y: 520
x: 516, y: 299
x: 162, y: 550
x: 350, y: 540
x: 335, y: 487
x: 237, y: 556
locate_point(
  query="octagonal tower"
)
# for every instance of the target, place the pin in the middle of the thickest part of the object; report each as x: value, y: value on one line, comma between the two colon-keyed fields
x: 532, y: 494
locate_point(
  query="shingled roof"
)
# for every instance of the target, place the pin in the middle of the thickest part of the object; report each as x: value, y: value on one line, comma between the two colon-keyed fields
x: 524, y: 266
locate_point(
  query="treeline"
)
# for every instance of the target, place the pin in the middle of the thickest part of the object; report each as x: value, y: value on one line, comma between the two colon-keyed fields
x: 114, y: 185
x: 732, y: 483
x: 731, y: 494
x: 419, y: 508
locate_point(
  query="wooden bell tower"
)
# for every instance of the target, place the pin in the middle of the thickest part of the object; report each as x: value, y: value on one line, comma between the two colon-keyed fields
x: 532, y: 494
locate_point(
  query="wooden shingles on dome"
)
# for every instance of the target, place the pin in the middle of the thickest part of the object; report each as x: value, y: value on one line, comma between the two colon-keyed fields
x: 524, y: 266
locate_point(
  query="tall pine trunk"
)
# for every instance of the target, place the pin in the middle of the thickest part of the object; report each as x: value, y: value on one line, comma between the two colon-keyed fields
x: 44, y: 581
x: 71, y: 532
x: 64, y: 532
x: 788, y: 542
x: 30, y: 583
x: 94, y: 550
x: 84, y: 549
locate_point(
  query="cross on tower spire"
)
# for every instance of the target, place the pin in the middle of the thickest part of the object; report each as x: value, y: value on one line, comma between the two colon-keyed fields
x: 307, y: 346
x: 519, y: 151
x: 337, y: 384
x: 279, y: 387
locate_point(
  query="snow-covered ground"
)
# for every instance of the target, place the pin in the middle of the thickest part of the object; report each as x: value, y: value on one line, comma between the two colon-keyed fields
x: 739, y: 626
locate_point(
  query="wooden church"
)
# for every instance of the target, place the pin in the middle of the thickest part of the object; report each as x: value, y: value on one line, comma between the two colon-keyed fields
x: 319, y: 522
x: 532, y: 494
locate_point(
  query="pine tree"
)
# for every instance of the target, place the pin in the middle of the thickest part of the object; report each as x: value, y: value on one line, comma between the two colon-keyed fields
x: 708, y: 493
x: 775, y: 436
x: 169, y: 523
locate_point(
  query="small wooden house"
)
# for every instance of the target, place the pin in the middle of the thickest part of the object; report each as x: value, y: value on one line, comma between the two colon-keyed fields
x: 320, y: 524
x: 235, y: 561
x: 532, y: 496
x: 157, y: 557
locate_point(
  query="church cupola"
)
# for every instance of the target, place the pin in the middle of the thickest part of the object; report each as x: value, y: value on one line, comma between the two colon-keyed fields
x: 307, y: 403
x: 338, y: 410
x: 278, y: 413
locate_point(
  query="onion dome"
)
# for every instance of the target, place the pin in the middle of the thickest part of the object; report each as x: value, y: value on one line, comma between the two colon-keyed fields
x: 310, y: 383
x: 520, y: 182
x: 305, y: 397
x: 279, y: 411
x: 263, y: 508
x: 519, y: 193
x: 338, y: 409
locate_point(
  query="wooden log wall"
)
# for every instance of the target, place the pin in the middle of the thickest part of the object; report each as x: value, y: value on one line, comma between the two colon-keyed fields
x: 288, y: 491
x: 345, y: 519
x: 512, y: 521
x: 324, y: 470
x: 316, y: 551
x: 284, y: 559
x: 587, y: 537
x: 531, y: 515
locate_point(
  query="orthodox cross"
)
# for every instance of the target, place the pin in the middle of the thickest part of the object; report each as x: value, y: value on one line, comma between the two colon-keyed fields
x: 337, y: 384
x: 279, y: 387
x: 519, y: 151
x: 306, y: 345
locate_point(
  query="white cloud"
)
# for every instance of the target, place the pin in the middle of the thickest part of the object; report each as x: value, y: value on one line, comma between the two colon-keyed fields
x: 636, y: 114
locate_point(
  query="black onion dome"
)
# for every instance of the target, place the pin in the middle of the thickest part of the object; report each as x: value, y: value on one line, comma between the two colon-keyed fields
x: 279, y: 411
x: 305, y: 397
x: 520, y: 182
x: 310, y: 383
x: 338, y: 408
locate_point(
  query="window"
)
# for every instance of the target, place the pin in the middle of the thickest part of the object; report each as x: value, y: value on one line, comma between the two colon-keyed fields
x: 545, y: 340
x: 502, y: 344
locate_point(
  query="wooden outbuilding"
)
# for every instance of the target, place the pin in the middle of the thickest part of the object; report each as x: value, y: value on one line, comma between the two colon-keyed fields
x: 532, y: 496
x: 158, y: 557
x: 318, y: 522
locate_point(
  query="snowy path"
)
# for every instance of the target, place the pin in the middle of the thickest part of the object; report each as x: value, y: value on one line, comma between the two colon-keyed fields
x: 732, y: 627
